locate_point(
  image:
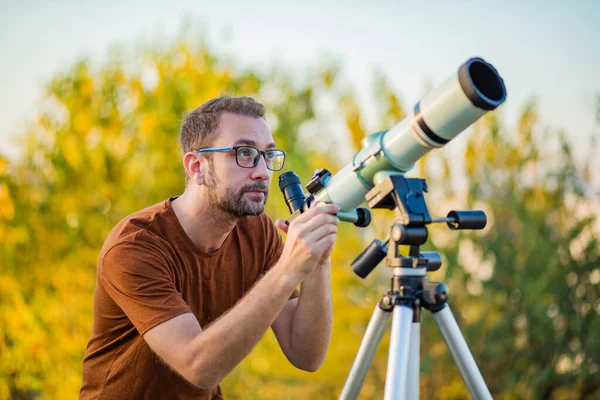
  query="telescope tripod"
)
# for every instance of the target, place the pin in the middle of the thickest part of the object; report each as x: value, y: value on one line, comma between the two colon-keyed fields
x: 410, y: 292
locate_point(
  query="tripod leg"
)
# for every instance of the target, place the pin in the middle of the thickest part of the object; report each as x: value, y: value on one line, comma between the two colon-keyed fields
x: 412, y: 379
x: 395, y: 379
x: 366, y: 352
x: 461, y: 354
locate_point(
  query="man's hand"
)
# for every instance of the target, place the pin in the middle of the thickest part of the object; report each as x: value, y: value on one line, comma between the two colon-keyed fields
x: 310, y: 238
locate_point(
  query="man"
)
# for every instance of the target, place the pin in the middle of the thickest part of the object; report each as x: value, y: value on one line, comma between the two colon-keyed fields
x: 187, y: 287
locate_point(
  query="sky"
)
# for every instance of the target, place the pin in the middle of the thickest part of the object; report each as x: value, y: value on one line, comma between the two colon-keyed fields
x: 544, y: 50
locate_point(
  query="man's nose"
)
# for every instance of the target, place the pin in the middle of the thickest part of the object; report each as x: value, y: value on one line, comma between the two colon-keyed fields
x: 260, y: 171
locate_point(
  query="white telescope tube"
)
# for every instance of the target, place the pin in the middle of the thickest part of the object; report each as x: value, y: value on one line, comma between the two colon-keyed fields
x: 435, y: 120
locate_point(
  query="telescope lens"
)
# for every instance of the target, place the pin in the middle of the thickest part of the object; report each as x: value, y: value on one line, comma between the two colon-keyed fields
x: 482, y: 84
x: 290, y: 186
x: 486, y: 80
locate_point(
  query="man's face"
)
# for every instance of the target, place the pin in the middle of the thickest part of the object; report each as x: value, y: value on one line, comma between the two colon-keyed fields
x: 238, y: 191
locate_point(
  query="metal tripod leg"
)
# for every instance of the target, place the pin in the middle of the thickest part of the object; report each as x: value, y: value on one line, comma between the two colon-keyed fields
x: 461, y: 354
x: 398, y: 361
x: 366, y: 352
x: 412, y: 379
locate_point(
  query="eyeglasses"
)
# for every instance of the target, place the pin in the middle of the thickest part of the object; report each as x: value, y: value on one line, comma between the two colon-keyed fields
x: 248, y: 156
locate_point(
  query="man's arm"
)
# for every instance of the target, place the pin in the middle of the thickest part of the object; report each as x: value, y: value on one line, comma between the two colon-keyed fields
x: 205, y: 357
x: 303, y: 328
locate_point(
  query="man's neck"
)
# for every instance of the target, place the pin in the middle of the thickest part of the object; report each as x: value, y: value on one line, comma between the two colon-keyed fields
x: 205, y: 227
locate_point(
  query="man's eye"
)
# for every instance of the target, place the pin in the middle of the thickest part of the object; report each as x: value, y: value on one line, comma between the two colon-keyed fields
x: 245, y: 153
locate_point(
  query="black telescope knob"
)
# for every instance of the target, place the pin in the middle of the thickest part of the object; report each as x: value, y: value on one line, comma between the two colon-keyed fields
x: 364, y: 217
x: 468, y: 219
x: 434, y: 260
x: 369, y: 258
x: 435, y: 296
x: 410, y: 235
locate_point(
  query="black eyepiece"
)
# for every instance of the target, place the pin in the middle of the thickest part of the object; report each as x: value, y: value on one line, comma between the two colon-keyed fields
x: 290, y: 186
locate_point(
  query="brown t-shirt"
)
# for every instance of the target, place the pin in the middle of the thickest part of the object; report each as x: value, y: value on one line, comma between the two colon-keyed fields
x: 148, y: 272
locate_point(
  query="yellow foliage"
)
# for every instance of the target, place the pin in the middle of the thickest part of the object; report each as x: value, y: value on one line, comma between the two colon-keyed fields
x: 72, y: 151
x: 7, y: 207
x: 3, y: 165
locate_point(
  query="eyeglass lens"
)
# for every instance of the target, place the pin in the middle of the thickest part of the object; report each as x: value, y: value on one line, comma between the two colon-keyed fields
x: 248, y: 157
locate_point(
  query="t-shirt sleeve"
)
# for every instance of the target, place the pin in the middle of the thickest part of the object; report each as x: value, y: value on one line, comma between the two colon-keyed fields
x: 137, y: 277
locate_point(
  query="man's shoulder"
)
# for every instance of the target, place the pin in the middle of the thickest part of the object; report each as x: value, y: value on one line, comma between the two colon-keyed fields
x: 137, y: 226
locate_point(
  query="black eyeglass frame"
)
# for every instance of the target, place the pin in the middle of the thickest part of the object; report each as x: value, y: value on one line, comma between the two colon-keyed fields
x: 236, y: 148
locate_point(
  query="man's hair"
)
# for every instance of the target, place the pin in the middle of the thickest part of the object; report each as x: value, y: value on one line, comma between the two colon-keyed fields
x: 200, y: 125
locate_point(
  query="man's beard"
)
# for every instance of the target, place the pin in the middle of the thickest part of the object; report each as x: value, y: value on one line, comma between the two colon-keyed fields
x: 232, y: 202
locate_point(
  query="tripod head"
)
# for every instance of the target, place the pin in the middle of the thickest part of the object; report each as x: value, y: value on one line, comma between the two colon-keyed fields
x: 406, y: 197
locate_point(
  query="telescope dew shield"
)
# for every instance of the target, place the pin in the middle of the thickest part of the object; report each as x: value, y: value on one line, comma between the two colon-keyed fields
x: 436, y: 119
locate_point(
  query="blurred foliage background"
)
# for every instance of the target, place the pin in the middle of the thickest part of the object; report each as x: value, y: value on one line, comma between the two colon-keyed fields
x: 525, y: 291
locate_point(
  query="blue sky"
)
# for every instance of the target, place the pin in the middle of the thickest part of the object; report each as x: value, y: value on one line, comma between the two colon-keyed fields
x: 544, y: 49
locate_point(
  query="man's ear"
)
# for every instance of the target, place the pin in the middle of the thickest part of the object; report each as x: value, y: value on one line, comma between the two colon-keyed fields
x: 195, y: 168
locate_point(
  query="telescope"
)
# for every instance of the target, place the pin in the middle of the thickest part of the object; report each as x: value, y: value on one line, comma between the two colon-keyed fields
x: 376, y: 175
x: 435, y: 120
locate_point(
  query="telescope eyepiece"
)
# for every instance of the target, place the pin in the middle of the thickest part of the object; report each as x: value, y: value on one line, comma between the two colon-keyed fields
x: 290, y: 186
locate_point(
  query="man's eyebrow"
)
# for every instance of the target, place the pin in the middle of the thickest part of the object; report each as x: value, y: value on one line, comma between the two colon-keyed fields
x: 250, y: 142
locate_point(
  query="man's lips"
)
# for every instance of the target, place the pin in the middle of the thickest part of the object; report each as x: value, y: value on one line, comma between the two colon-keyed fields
x: 256, y: 192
